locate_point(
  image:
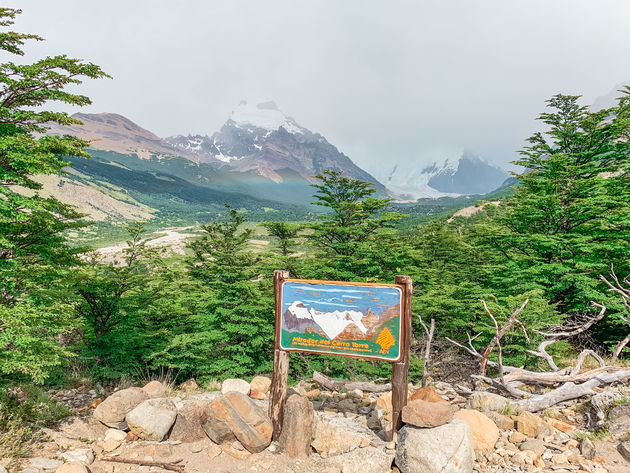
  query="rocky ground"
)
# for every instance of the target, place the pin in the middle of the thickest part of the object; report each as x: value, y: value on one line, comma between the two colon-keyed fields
x: 156, y: 428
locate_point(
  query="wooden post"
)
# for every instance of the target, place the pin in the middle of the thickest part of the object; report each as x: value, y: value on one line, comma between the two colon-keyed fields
x: 278, y: 392
x: 400, y: 369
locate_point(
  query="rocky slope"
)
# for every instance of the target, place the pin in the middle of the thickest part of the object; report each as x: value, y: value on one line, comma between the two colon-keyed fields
x: 189, y: 430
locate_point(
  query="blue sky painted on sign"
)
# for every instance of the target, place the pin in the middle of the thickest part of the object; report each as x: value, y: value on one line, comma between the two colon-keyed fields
x: 331, y: 297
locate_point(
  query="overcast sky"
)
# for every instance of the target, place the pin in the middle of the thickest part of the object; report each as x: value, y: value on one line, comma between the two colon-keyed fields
x: 384, y: 81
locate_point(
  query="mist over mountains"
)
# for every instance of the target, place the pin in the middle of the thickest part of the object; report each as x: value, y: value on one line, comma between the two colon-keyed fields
x: 260, y: 159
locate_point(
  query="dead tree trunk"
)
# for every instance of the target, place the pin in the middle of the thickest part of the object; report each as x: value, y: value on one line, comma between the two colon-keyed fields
x: 427, y: 348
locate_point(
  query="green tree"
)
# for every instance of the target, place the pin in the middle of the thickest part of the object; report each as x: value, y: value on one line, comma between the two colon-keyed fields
x: 233, y: 329
x: 569, y: 218
x: 353, y: 235
x: 33, y: 253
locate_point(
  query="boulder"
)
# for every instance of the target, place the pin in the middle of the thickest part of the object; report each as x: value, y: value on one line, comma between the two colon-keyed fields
x: 297, y: 427
x: 189, y: 386
x: 235, y: 385
x: 444, y: 449
x: 217, y: 430
x: 259, y: 387
x: 363, y: 460
x: 113, y: 410
x: 624, y: 450
x: 82, y: 455
x: 152, y: 419
x: 72, y: 467
x: 559, y: 425
x: 85, y: 428
x: 485, y: 433
x: 334, y: 435
x: 187, y: 427
x: 155, y: 389
x: 427, y: 394
x: 427, y: 414
x: 619, y: 421
x: 533, y: 445
x: 248, y: 422
x: 485, y: 401
x: 113, y: 439
x: 531, y: 425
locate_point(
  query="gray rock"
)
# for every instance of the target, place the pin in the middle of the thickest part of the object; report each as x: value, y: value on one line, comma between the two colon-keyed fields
x: 363, y: 460
x: 188, y: 427
x: 624, y: 450
x: 622, y: 410
x: 334, y: 435
x: 485, y: 401
x: 152, y: 419
x: 3, y: 469
x: 113, y: 410
x: 45, y: 463
x: 238, y: 385
x: 82, y: 455
x: 444, y: 449
x: 587, y: 449
x: 534, y: 445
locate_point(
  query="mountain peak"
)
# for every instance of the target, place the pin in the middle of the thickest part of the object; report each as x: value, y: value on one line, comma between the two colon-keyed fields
x: 265, y: 115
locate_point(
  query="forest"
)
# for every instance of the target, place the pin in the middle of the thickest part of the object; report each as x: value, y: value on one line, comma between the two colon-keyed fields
x: 66, y: 316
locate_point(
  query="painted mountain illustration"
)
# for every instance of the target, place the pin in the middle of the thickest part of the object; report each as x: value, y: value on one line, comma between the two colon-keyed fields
x: 340, y: 325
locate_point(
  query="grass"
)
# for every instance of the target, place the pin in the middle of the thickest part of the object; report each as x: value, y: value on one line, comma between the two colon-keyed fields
x: 23, y: 408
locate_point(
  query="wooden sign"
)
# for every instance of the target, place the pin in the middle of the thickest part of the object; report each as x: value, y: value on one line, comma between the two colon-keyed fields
x: 347, y: 319
x: 358, y: 320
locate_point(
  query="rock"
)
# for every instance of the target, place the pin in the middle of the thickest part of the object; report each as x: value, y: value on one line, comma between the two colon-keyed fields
x: 384, y: 402
x: 619, y: 421
x: 260, y: 384
x: 86, y: 428
x: 297, y: 427
x: 364, y: 460
x: 113, y: 410
x: 3, y: 469
x: 347, y: 405
x: 559, y: 425
x: 233, y: 452
x: 189, y: 386
x: 30, y: 470
x: 188, y: 426
x: 235, y: 385
x: 421, y: 413
x: 113, y: 439
x: 313, y: 394
x: 334, y: 435
x: 622, y: 410
x: 517, y: 437
x: 624, y: 450
x: 248, y: 422
x: 72, y: 467
x: 485, y: 433
x: 533, y: 445
x: 155, y: 389
x: 444, y: 449
x: 152, y: 419
x: 83, y: 455
x: 45, y: 463
x: 217, y: 430
x: 501, y: 421
x: 530, y: 424
x: 485, y: 401
x: 587, y: 449
x: 427, y: 394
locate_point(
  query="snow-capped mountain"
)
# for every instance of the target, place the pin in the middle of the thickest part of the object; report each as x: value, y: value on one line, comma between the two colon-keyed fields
x: 260, y: 139
x: 466, y: 176
x: 298, y: 318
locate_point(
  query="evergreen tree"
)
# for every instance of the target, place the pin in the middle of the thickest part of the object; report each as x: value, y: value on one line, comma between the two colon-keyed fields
x: 33, y: 253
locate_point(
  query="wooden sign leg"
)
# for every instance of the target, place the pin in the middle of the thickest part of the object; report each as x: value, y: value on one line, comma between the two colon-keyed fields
x: 278, y: 392
x: 400, y: 369
x: 279, y: 380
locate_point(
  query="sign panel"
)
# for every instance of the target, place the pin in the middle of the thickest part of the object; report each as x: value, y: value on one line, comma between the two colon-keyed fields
x: 348, y: 319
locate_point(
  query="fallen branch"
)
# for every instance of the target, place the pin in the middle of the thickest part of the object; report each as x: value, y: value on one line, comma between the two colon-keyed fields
x: 334, y: 385
x: 172, y: 466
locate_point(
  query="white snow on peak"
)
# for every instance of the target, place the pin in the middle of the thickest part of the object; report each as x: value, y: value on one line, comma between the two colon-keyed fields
x: 332, y: 323
x: 263, y: 115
